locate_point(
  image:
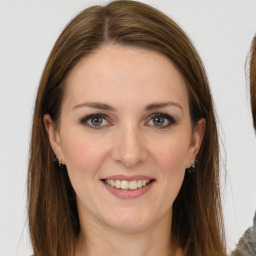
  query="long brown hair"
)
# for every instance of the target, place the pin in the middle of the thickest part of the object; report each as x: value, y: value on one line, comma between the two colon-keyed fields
x: 197, y: 224
x: 253, y: 80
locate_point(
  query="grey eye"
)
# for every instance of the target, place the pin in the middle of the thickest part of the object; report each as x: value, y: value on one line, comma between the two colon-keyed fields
x: 96, y: 121
x: 161, y: 120
x: 158, y: 121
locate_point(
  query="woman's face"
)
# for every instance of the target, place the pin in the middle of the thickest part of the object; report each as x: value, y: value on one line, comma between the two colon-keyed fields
x: 125, y: 136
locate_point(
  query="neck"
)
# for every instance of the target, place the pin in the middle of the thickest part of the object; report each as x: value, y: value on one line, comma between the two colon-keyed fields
x: 108, y: 241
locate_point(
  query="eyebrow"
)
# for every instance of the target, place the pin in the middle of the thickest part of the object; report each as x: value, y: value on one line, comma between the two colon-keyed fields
x: 164, y: 104
x: 103, y: 106
x: 96, y: 105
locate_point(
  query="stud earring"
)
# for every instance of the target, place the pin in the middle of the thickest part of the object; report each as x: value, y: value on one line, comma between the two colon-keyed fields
x: 58, y: 162
x: 192, y: 168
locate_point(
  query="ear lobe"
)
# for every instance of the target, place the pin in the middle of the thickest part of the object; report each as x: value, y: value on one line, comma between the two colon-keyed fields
x: 196, y: 140
x: 53, y: 135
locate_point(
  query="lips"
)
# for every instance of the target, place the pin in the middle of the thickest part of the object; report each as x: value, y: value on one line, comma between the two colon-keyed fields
x: 125, y: 184
x: 128, y: 187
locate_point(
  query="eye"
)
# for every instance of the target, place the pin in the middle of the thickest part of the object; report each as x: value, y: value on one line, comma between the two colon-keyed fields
x: 161, y: 120
x: 95, y: 121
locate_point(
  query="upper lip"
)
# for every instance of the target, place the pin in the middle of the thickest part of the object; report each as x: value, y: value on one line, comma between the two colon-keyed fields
x: 129, y: 178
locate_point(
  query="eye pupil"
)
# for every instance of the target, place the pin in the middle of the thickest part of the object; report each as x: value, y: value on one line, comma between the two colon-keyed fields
x: 96, y: 121
x: 158, y: 121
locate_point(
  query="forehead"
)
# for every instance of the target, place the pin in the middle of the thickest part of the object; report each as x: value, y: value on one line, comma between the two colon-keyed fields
x: 125, y: 75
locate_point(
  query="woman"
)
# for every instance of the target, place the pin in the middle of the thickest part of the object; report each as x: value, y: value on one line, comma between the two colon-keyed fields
x: 125, y: 109
x: 247, y: 243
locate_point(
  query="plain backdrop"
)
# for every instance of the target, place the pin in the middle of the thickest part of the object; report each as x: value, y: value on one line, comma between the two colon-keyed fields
x: 221, y: 31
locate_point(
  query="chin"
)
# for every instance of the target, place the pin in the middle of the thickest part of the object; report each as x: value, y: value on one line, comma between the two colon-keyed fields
x: 129, y: 221
x: 130, y: 226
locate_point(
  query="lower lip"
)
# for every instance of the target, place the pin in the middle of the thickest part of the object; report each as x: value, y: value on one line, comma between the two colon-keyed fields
x: 129, y: 193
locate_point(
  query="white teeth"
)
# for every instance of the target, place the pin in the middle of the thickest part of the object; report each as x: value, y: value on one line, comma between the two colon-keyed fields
x: 117, y: 184
x: 133, y: 184
x: 139, y: 183
x: 125, y: 184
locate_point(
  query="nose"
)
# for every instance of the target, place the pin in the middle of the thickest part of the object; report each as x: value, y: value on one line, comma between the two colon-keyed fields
x: 129, y: 147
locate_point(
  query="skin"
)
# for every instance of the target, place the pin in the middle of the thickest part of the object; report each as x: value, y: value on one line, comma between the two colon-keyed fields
x: 127, y: 142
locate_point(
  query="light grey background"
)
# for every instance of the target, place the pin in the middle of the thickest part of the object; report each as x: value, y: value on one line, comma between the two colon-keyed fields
x: 221, y: 31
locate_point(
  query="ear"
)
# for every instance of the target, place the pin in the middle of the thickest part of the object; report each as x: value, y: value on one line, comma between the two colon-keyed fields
x: 54, y: 137
x: 196, y: 141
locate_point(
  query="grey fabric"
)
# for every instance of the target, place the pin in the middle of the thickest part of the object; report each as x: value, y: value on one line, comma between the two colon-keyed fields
x: 247, y: 243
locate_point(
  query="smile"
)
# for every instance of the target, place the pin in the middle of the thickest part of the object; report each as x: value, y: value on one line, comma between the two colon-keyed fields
x: 125, y: 184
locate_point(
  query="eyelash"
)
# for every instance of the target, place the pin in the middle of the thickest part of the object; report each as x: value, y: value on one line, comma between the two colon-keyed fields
x: 170, y: 120
x: 85, y: 120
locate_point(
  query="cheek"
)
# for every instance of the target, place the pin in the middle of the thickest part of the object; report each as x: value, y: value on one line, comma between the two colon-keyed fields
x: 84, y: 159
x: 172, y: 154
x: 82, y: 155
x: 171, y: 161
